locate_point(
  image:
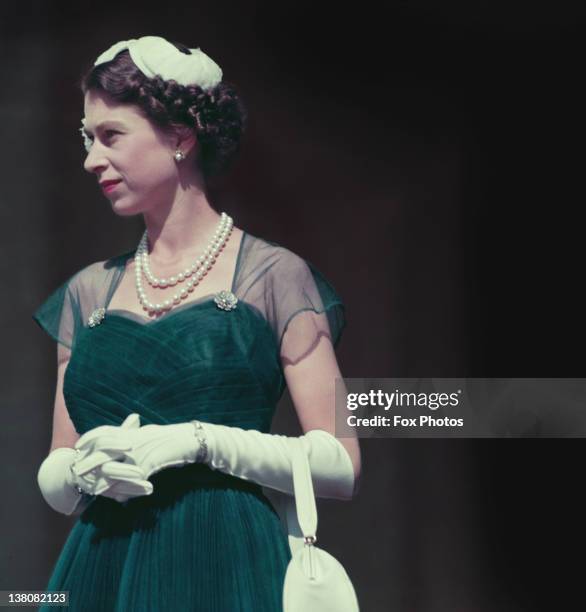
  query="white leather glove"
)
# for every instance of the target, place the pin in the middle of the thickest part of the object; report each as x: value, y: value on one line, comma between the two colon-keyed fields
x: 248, y: 454
x: 66, y: 473
x: 59, y: 484
x: 98, y: 471
x: 152, y: 448
x: 266, y: 459
x: 56, y: 480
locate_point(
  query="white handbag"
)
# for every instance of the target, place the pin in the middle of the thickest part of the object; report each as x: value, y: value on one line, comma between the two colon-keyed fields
x: 315, y: 580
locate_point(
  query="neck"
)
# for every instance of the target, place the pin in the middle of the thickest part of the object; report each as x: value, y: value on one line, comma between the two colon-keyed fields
x: 183, y: 231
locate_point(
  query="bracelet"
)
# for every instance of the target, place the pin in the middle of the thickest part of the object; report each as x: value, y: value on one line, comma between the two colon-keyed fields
x: 202, y: 453
x: 78, y: 489
x: 76, y: 486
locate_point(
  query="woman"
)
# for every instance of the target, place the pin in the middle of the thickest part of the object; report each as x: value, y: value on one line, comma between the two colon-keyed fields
x: 165, y: 394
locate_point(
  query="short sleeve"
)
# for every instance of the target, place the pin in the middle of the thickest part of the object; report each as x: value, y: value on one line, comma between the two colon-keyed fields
x: 304, y: 306
x: 63, y: 314
x: 58, y: 315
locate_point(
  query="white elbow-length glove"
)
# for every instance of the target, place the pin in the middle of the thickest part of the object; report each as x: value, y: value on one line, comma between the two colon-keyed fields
x: 248, y: 454
x: 266, y: 459
x: 152, y: 448
x: 67, y: 473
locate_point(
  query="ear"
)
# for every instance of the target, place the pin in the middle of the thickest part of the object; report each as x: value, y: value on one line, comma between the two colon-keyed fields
x: 185, y: 139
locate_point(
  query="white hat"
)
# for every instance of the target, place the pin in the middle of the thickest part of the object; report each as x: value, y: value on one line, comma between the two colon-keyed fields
x: 154, y: 55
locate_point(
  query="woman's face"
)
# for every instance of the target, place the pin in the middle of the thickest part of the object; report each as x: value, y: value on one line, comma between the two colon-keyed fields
x: 128, y: 148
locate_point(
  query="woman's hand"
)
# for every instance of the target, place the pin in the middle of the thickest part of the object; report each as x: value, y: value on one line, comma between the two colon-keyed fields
x: 150, y: 448
x: 156, y: 447
x: 102, y: 466
x: 97, y: 473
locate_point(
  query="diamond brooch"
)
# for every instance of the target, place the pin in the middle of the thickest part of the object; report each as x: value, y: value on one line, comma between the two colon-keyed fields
x: 226, y: 300
x: 96, y: 317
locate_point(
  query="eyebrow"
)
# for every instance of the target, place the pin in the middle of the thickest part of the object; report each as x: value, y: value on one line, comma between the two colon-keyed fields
x: 109, y: 122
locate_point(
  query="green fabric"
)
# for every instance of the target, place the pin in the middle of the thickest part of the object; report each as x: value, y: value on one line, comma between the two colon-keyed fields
x: 58, y: 315
x: 203, y: 541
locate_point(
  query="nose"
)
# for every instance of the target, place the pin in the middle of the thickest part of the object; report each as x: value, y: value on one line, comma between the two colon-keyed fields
x: 95, y: 160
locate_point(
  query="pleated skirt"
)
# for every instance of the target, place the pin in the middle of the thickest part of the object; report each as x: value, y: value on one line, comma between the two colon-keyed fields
x: 202, y: 542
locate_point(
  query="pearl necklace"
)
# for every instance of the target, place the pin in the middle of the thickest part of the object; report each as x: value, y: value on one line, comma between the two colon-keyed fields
x: 199, y: 269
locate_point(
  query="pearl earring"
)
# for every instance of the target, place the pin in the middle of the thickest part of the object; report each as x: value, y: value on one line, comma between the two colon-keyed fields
x: 179, y: 155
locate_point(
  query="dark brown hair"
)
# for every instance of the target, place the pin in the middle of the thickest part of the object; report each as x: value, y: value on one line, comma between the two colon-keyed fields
x: 217, y: 115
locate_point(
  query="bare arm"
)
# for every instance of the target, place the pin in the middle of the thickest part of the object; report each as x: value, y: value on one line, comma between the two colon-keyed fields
x: 52, y: 477
x: 311, y: 383
x: 64, y: 434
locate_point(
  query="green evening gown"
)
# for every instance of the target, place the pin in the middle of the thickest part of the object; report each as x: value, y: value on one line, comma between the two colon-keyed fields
x: 204, y: 541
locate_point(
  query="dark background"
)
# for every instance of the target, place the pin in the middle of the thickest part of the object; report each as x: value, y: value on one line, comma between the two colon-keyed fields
x: 427, y: 158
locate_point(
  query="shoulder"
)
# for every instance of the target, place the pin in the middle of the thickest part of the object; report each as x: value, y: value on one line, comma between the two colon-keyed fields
x: 293, y: 280
x: 92, y: 277
x: 278, y: 261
